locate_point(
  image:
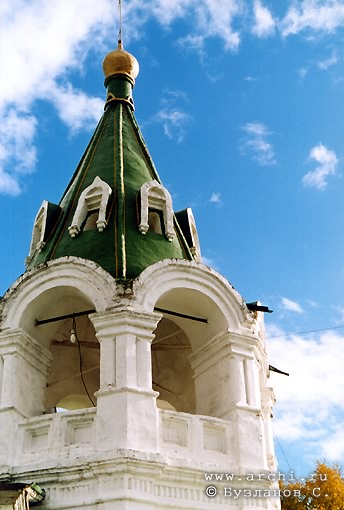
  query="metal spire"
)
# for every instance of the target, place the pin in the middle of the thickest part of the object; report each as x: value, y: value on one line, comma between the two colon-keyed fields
x: 120, y: 22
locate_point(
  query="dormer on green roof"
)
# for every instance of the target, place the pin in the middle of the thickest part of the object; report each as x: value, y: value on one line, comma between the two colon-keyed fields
x: 115, y: 210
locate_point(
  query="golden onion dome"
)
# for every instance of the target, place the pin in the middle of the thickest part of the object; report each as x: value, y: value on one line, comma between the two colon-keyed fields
x: 120, y: 61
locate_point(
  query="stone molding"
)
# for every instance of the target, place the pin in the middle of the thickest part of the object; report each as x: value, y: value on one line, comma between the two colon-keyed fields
x: 166, y: 275
x: 86, y: 276
x: 19, y: 342
x: 94, y: 198
x: 156, y: 197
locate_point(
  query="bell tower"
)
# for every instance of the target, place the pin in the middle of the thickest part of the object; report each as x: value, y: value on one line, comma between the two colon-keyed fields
x: 130, y: 372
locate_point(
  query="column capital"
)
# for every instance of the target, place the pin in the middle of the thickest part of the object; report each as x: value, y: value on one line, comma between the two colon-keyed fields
x: 17, y: 341
x: 226, y: 344
x: 126, y: 320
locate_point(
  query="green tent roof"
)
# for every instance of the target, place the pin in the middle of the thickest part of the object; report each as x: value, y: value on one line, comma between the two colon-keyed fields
x: 118, y: 155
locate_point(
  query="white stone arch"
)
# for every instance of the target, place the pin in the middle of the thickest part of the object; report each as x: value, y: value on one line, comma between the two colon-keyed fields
x: 94, y: 198
x: 154, y: 196
x: 166, y: 275
x: 223, y: 350
x: 40, y: 312
x: 90, y: 280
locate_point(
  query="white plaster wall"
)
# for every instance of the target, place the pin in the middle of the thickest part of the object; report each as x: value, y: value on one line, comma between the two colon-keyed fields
x: 125, y: 453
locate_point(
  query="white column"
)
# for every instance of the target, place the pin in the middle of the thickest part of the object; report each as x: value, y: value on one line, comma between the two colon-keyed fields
x: 24, y: 368
x: 144, y: 362
x: 252, y: 382
x: 8, y: 387
x: 125, y: 336
x: 24, y: 372
x: 268, y: 400
x: 237, y: 387
x: 225, y: 374
x: 127, y: 416
x: 126, y: 376
x: 107, y: 362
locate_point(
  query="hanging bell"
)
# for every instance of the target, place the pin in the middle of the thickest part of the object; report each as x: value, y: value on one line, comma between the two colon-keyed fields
x: 72, y: 336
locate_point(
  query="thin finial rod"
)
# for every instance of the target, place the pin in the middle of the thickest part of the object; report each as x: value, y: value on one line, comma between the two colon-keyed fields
x: 120, y: 21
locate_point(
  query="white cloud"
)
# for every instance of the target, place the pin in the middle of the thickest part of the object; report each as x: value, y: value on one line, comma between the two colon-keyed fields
x: 208, y: 261
x: 302, y: 72
x: 327, y: 166
x: 256, y: 143
x: 17, y: 131
x: 290, y: 305
x: 174, y: 123
x: 210, y: 19
x: 40, y: 41
x: 340, y: 318
x: 213, y: 18
x: 75, y: 108
x: 8, y: 184
x: 310, y: 405
x: 264, y: 23
x: 333, y: 446
x: 316, y: 15
x: 215, y: 198
x: 65, y: 32
x: 328, y: 62
x: 172, y: 116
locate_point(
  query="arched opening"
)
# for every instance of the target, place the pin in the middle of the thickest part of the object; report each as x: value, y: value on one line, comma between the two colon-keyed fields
x: 190, y: 321
x: 91, y: 220
x: 154, y: 222
x: 172, y: 374
x: 74, y: 373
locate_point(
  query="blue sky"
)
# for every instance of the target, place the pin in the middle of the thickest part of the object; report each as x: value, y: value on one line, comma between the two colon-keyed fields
x: 241, y: 105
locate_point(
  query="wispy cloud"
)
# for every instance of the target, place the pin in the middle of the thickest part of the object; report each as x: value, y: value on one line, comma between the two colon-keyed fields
x: 327, y: 165
x: 174, y: 123
x: 264, y: 23
x: 310, y: 404
x: 215, y: 198
x: 290, y: 305
x: 340, y: 318
x: 302, y: 72
x: 328, y: 62
x: 256, y: 143
x: 17, y: 150
x: 314, y: 15
x: 172, y: 116
x: 210, y: 261
x: 212, y: 18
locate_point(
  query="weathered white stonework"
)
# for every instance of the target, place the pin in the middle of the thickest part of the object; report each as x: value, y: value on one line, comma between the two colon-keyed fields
x: 154, y: 196
x: 94, y: 198
x: 37, y: 242
x: 175, y: 398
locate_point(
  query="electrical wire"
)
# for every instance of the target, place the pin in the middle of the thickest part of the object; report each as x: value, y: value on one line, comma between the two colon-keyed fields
x: 306, y: 332
x: 80, y: 364
x: 283, y: 453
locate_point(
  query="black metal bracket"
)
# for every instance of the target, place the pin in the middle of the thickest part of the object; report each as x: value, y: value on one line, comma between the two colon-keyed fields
x: 254, y: 307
